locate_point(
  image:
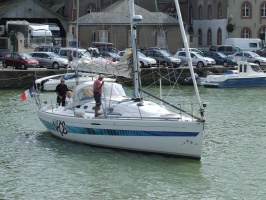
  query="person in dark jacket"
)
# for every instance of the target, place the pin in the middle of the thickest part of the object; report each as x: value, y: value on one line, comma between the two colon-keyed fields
x: 61, y: 91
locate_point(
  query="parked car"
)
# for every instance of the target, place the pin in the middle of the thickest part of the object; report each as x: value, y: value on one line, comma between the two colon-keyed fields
x: 220, y: 58
x: 144, y: 60
x: 225, y: 49
x: 191, y: 49
x: 50, y: 60
x: 163, y: 57
x: 248, y: 56
x: 19, y: 60
x: 47, y: 49
x: 203, y: 50
x: 197, y: 59
x: 150, y: 48
x: 263, y: 55
x: 261, y: 51
x: 76, y: 53
x: 104, y: 47
x: 111, y: 56
x: 2, y: 51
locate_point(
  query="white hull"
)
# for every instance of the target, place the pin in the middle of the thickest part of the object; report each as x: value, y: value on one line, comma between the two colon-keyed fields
x: 171, y: 137
x: 127, y: 123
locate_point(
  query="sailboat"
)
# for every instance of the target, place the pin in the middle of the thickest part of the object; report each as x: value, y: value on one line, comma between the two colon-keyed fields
x: 129, y: 123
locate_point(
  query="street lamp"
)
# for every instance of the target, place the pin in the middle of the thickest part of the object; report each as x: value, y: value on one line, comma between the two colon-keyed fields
x: 262, y: 34
x: 13, y: 38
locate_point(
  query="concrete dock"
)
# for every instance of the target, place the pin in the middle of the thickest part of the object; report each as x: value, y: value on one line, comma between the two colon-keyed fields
x: 10, y: 78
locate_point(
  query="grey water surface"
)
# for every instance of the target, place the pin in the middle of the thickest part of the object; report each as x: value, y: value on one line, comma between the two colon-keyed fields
x: 35, y: 165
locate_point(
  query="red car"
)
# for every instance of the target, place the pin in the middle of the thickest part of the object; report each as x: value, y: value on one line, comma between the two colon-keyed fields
x: 19, y: 60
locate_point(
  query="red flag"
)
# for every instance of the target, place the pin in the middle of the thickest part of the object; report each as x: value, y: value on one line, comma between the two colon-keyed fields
x: 27, y: 93
x: 23, y: 96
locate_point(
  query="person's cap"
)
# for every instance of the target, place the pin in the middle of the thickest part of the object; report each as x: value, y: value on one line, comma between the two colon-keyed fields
x: 101, y: 76
x: 62, y: 80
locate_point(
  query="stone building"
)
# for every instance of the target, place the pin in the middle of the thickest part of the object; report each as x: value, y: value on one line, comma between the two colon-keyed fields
x: 157, y: 28
x: 113, y: 25
x: 215, y: 20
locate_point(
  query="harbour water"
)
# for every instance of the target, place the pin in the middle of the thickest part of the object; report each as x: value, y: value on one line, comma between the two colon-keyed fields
x: 35, y: 165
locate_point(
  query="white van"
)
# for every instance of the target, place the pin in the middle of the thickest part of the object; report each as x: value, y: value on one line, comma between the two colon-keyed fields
x: 246, y: 44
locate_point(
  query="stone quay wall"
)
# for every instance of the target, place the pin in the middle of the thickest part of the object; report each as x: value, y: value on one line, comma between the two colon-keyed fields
x: 16, y: 79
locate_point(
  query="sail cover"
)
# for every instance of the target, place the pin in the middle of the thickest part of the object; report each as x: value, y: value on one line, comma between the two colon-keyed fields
x: 100, y: 65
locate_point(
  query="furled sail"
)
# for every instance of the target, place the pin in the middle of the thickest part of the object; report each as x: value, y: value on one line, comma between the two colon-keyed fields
x: 100, y: 65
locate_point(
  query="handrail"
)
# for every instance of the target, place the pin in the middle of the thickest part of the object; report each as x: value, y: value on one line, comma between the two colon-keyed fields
x: 171, y: 105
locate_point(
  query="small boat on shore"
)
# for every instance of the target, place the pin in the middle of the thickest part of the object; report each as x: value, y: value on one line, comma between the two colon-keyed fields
x: 246, y: 75
x: 49, y: 83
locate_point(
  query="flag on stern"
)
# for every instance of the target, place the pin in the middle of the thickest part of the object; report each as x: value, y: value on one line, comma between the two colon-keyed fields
x: 27, y: 93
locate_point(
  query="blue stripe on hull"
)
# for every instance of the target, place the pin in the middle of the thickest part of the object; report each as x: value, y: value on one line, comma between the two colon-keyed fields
x: 96, y: 131
x: 244, y: 82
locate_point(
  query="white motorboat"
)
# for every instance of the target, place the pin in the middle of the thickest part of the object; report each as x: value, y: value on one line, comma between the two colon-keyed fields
x: 130, y: 123
x: 246, y: 75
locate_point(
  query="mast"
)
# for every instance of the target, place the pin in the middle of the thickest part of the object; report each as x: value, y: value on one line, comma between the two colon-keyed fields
x: 77, y: 45
x: 180, y: 20
x: 134, y: 19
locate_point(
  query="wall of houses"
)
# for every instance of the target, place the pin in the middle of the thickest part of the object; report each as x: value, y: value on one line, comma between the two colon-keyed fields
x: 210, y: 19
x: 248, y: 18
x: 119, y: 36
x: 253, y: 24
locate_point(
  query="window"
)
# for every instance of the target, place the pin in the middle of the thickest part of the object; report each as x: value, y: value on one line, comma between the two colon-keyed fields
x: 246, y: 55
x: 182, y: 54
x: 209, y: 37
x: 239, y: 54
x: 73, y: 30
x: 90, y: 8
x: 209, y: 11
x: 253, y: 45
x: 219, y: 11
x: 240, y: 68
x: 219, y: 36
x: 129, y: 39
x: 215, y: 55
x: 38, y: 55
x: 157, y: 54
x: 63, y: 53
x: 262, y: 33
x: 103, y: 36
x: 263, y: 10
x: 161, y: 39
x: 16, y: 57
x: 200, y: 12
x: 245, y: 68
x: 213, y: 48
x: 245, y: 33
x: 208, y: 54
x: 229, y: 49
x: 200, y: 37
x: 190, y: 15
x: 222, y: 48
x: 45, y: 55
x: 8, y: 55
x: 246, y: 10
